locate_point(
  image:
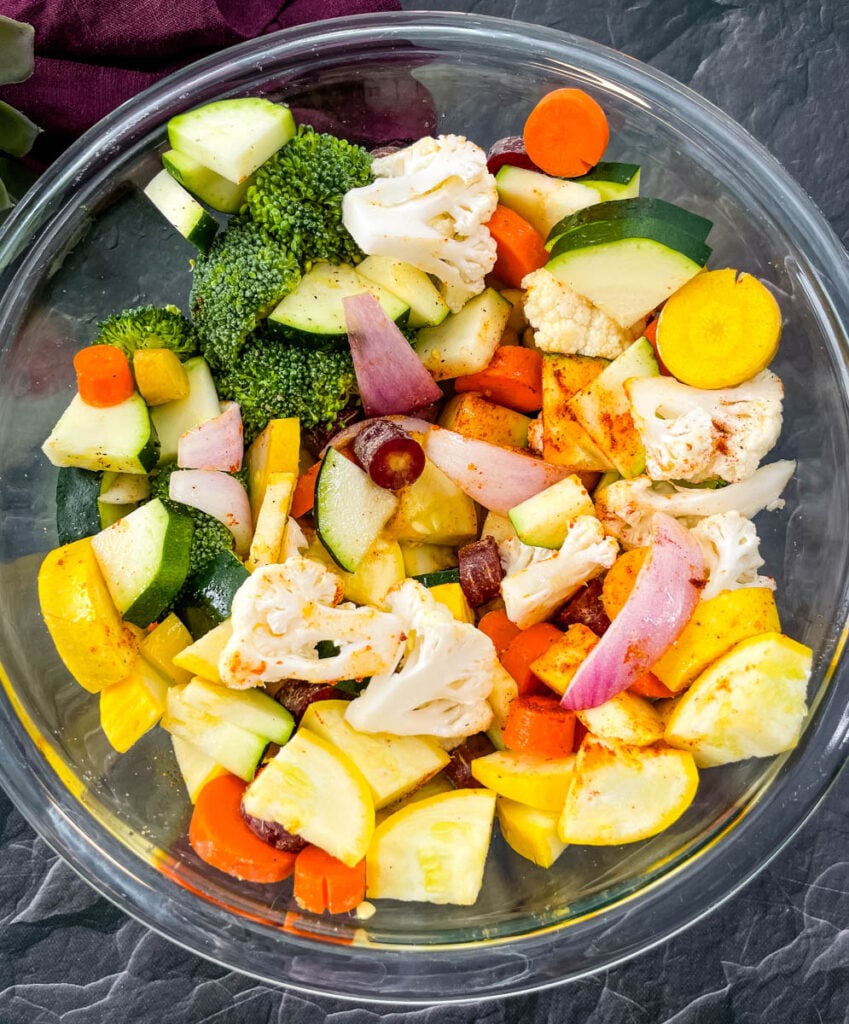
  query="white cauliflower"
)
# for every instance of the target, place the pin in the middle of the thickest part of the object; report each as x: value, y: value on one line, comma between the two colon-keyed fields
x: 294, y: 541
x: 284, y: 610
x: 729, y: 543
x: 626, y: 507
x: 441, y: 688
x: 429, y: 205
x: 564, y: 321
x: 537, y: 580
x: 697, y: 435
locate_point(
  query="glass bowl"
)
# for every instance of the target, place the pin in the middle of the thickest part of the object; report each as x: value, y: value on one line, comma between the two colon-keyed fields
x: 85, y: 243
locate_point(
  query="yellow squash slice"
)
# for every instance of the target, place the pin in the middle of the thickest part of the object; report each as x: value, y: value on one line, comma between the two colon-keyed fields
x: 626, y: 718
x: 433, y: 850
x: 532, y: 833
x: 749, y: 703
x: 539, y: 782
x: 621, y: 793
x: 317, y: 792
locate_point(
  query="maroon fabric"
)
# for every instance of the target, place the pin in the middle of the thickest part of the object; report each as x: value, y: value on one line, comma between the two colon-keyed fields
x: 92, y: 55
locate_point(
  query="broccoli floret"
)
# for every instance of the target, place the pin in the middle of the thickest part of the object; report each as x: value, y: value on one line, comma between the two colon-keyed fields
x: 211, y: 536
x: 237, y: 283
x: 298, y: 194
x: 149, y: 327
x: 275, y: 379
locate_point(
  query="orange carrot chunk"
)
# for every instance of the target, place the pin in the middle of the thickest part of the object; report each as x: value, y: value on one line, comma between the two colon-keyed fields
x: 648, y: 685
x: 219, y: 835
x: 566, y: 133
x: 324, y: 883
x: 303, y: 497
x: 513, y: 378
x: 499, y: 629
x: 520, y: 248
x: 524, y: 649
x: 541, y: 726
x: 104, y: 376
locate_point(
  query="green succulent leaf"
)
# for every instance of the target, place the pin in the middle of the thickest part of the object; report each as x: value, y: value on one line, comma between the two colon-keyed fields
x: 16, y: 51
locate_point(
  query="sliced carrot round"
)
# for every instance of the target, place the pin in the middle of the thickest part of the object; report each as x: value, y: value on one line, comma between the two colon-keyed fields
x: 219, y: 835
x: 566, y: 133
x: 719, y: 329
x: 104, y: 376
x: 520, y: 248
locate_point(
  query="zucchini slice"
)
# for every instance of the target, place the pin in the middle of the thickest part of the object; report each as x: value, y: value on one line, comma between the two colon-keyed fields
x: 540, y: 199
x: 612, y: 180
x: 465, y: 341
x: 232, y: 137
x: 77, y: 513
x: 175, y: 418
x: 211, y: 188
x: 627, y: 267
x: 118, y: 437
x: 411, y: 285
x: 144, y: 558
x: 181, y: 210
x: 314, y: 311
x: 635, y: 208
x: 350, y: 510
x: 208, y: 595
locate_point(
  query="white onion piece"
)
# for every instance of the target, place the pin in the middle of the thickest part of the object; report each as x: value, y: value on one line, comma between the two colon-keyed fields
x: 657, y: 609
x: 219, y: 495
x: 412, y: 424
x: 498, y: 478
x: 214, y: 444
x: 390, y: 376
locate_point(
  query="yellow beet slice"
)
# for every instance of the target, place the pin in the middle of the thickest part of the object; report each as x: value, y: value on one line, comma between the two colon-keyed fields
x: 317, y: 792
x: 749, y: 703
x: 163, y: 643
x: 93, y: 641
x: 621, y: 793
x: 271, y: 521
x: 540, y: 782
x: 276, y: 450
x: 714, y: 628
x: 201, y: 657
x: 532, y: 833
x: 160, y: 376
x: 131, y: 707
x: 719, y: 329
x: 433, y: 850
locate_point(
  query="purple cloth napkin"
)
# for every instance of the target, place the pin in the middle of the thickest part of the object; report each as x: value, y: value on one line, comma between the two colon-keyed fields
x: 92, y: 55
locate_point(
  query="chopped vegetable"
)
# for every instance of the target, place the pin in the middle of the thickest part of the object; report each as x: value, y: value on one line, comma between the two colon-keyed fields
x: 390, y: 376
x: 160, y: 376
x: 104, y: 377
x: 389, y: 455
x: 526, y: 647
x: 499, y: 629
x: 324, y: 883
x: 512, y: 378
x: 540, y: 726
x: 215, y: 444
x: 219, y: 835
x: 218, y: 494
x: 719, y: 330
x: 664, y: 596
x: 520, y: 249
x: 304, y: 497
x: 566, y: 133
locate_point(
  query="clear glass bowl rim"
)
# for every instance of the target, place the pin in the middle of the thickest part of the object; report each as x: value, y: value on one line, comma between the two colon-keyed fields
x: 482, y: 970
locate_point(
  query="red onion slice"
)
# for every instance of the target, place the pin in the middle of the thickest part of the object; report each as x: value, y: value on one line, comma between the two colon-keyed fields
x: 219, y: 495
x: 390, y: 376
x: 663, y: 599
x: 216, y: 444
x: 496, y: 477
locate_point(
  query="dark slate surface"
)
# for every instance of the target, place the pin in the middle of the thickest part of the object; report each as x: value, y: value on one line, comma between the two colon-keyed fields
x: 776, y: 952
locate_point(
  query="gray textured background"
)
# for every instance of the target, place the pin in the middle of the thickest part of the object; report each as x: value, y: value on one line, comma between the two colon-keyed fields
x: 777, y: 952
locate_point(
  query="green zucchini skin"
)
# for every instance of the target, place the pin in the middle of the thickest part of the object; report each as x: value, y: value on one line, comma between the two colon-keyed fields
x: 613, y: 171
x: 77, y: 511
x: 207, y: 597
x: 636, y: 209
x: 604, y: 232
x: 436, y: 579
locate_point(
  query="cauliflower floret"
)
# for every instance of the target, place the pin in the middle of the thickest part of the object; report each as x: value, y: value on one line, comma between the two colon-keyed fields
x: 282, y: 612
x: 729, y: 543
x: 429, y: 206
x: 696, y: 435
x: 537, y: 580
x: 564, y: 321
x: 294, y: 541
x: 626, y: 507
x: 448, y: 671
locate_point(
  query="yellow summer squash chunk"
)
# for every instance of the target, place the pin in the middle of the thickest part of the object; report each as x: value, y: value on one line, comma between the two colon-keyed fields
x: 719, y: 329
x: 160, y: 376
